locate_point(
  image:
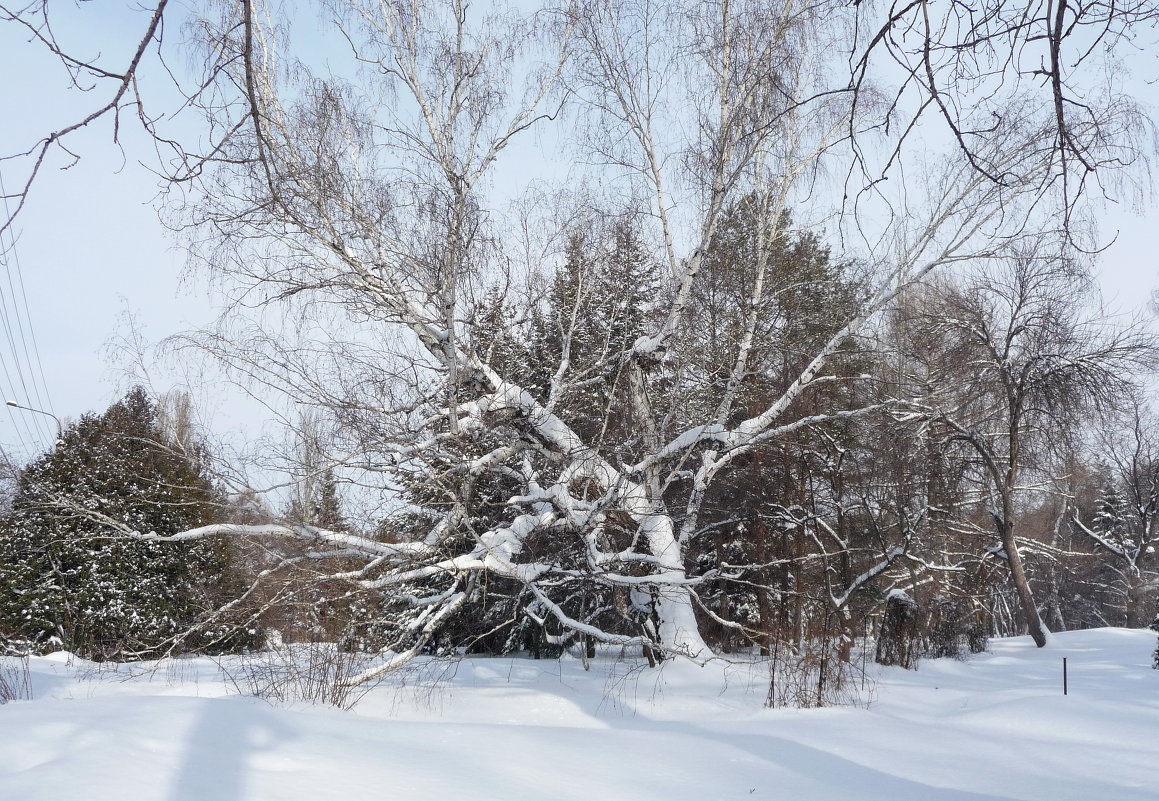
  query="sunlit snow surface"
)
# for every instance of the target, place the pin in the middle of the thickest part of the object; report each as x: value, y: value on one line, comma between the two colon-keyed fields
x: 995, y: 727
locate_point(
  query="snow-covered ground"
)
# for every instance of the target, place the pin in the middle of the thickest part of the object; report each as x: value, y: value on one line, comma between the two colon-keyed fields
x: 995, y: 727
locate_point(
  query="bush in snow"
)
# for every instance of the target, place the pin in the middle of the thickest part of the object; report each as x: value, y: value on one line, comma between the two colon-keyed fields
x: 313, y: 672
x: 899, y: 641
x: 946, y: 636
x: 953, y: 630
x: 15, y: 680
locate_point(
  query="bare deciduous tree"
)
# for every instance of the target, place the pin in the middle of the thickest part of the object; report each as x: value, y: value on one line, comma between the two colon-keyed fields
x: 1129, y: 448
x: 1024, y: 360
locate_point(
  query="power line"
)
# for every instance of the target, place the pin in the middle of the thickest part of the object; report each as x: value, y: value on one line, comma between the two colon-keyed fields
x: 25, y: 319
x: 17, y: 365
x: 19, y: 385
x: 25, y: 331
x: 31, y: 327
x: 10, y: 390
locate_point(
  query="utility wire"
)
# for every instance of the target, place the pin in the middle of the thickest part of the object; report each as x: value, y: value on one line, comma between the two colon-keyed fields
x: 35, y: 428
x: 26, y: 317
x: 12, y: 387
x: 17, y: 364
x: 22, y: 365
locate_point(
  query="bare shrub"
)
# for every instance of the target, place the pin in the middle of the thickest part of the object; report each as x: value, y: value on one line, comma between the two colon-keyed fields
x: 317, y: 673
x: 814, y: 674
x: 180, y: 669
x: 423, y: 684
x: 15, y: 679
x: 952, y: 632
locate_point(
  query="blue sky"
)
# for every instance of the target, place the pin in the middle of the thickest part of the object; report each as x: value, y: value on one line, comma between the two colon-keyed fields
x: 91, y: 249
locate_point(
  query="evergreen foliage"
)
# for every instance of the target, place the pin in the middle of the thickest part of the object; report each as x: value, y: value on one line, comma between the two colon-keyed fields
x: 1155, y: 627
x: 761, y: 517
x: 320, y: 505
x: 305, y: 603
x: 1110, y: 520
x: 599, y: 302
x: 77, y: 581
x: 899, y: 640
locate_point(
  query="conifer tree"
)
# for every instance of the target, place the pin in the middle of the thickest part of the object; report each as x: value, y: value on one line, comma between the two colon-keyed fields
x: 598, y: 303
x: 763, y: 279
x: 1110, y: 520
x: 77, y: 583
x: 1155, y: 627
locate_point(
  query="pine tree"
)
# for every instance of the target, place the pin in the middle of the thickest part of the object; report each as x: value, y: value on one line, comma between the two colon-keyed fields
x: 313, y: 607
x: 599, y: 304
x: 328, y: 504
x: 76, y: 580
x: 779, y: 489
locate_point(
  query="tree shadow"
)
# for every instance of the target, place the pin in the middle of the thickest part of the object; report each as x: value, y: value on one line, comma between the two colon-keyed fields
x: 845, y: 775
x: 219, y: 749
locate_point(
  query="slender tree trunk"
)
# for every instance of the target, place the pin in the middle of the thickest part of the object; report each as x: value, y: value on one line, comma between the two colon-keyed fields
x: 1034, y: 626
x: 764, y: 601
x: 1134, y: 616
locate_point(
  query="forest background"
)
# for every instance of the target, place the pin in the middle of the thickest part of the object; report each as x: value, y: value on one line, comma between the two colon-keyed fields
x: 806, y: 343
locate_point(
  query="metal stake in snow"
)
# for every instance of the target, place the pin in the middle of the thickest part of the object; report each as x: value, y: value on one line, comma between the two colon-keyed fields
x: 1064, y: 675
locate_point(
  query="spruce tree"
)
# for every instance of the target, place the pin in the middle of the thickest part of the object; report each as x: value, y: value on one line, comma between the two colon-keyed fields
x: 311, y: 605
x: 1111, y: 516
x: 75, y: 579
x: 600, y: 300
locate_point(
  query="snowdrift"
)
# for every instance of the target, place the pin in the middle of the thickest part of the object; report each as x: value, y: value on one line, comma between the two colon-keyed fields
x: 995, y: 727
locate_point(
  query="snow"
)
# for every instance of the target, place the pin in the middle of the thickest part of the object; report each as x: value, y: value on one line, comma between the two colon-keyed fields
x: 992, y: 728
